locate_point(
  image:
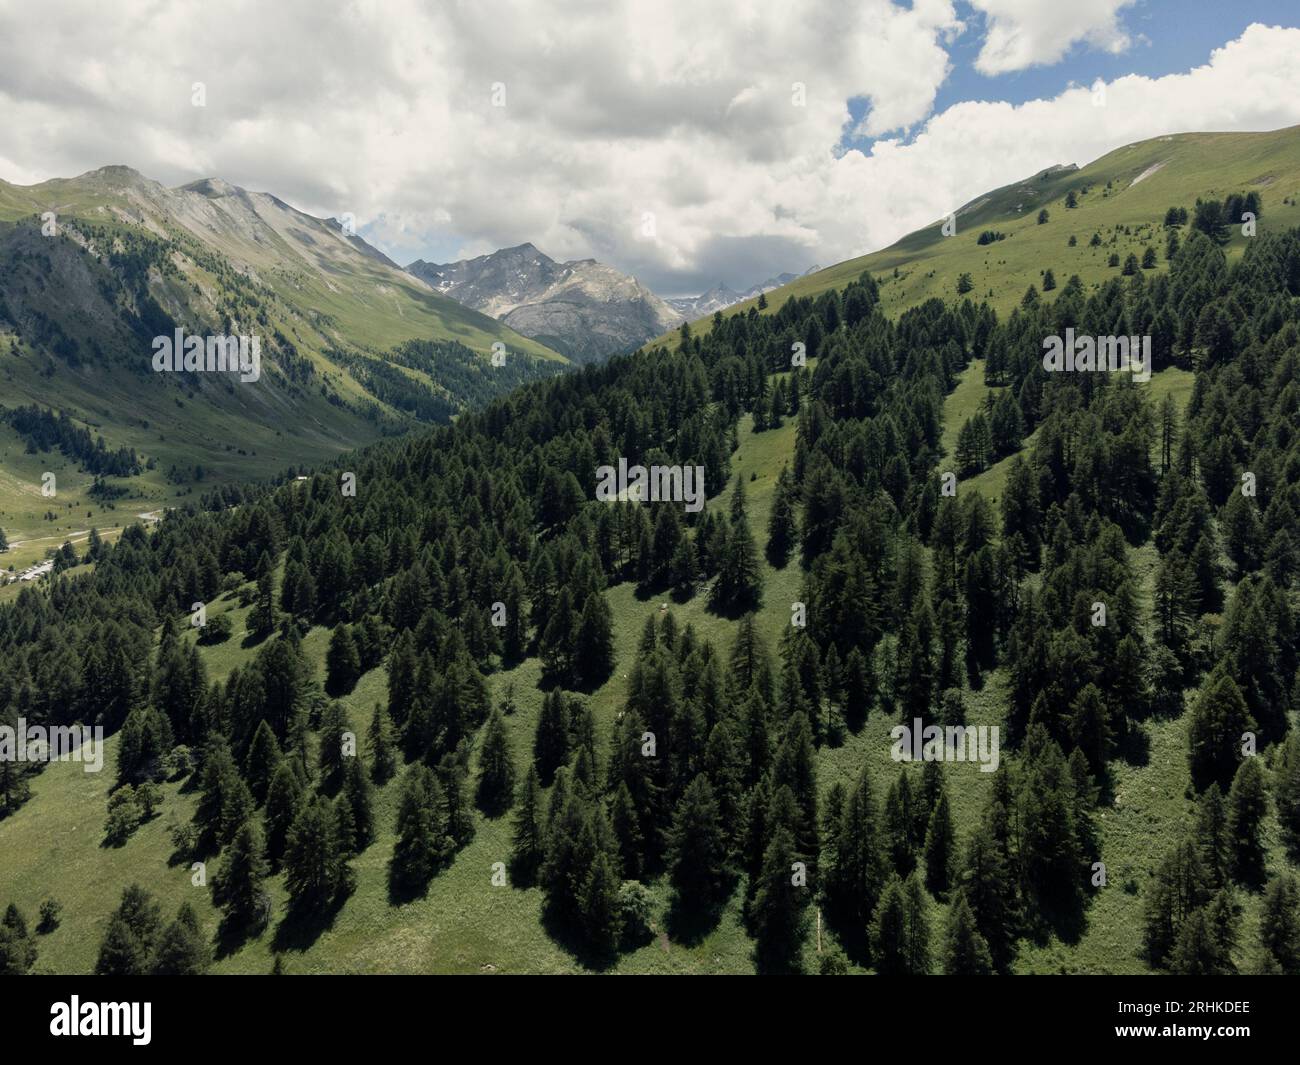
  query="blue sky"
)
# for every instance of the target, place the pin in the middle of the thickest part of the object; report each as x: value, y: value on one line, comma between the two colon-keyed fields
x: 1168, y: 37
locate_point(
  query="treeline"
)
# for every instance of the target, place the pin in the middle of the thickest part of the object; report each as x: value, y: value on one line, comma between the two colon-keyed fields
x: 464, y: 378
x: 43, y: 430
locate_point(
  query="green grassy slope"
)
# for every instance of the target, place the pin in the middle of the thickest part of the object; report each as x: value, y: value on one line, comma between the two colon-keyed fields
x: 1144, y: 180
x: 214, y: 259
x: 352, y: 290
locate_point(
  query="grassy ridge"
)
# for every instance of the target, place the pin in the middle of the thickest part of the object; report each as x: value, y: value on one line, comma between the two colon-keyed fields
x: 1145, y: 179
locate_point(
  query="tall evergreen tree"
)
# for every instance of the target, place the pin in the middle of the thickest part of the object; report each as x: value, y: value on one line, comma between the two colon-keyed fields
x: 182, y: 950
x: 965, y: 952
x: 238, y: 887
x: 1247, y: 810
x: 779, y: 910
x: 383, y: 752
x: 496, y: 782
x: 315, y: 860
x: 529, y: 836
x: 697, y: 849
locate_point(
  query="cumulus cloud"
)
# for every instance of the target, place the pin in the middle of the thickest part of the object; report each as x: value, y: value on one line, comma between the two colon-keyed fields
x: 1026, y: 33
x: 681, y: 142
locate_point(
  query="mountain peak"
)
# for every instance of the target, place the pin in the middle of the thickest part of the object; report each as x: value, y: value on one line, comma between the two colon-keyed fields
x: 583, y: 308
x: 212, y: 187
x: 117, y: 174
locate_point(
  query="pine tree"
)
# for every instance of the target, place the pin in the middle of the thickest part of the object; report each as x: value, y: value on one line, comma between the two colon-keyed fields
x: 263, y: 617
x: 334, y: 733
x: 262, y: 761
x: 238, y: 887
x: 697, y: 849
x: 403, y: 666
x: 528, y: 848
x: 739, y: 585
x: 899, y: 823
x: 422, y: 842
x: 551, y: 744
x: 593, y: 654
x: 889, y: 938
x: 315, y: 865
x: 782, y: 529
x: 359, y: 799
x: 1090, y: 727
x: 282, y: 802
x: 496, y: 782
x: 857, y: 873
x: 1286, y: 793
x: 1179, y: 890
x: 965, y: 951
x: 17, y: 946
x: 1247, y: 810
x: 779, y: 908
x: 859, y: 685
x: 915, y: 909
x: 454, y: 778
x: 120, y: 951
x: 1198, y: 950
x: 182, y: 950
x: 989, y: 890
x: 1213, y: 838
x: 602, y: 918
x: 342, y: 662
x: 132, y: 933
x: 1219, y: 718
x: 383, y: 752
x: 939, y: 844
x: 1279, y: 924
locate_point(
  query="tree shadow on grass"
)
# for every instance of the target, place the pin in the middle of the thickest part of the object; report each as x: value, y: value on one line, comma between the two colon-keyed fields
x: 234, y: 933
x: 1135, y: 747
x: 253, y: 639
x: 854, y: 936
x: 1067, y: 922
x: 571, y: 941
x: 299, y: 929
x: 690, y: 925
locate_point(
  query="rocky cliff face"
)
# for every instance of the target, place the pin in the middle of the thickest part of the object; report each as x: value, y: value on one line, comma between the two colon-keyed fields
x: 583, y: 309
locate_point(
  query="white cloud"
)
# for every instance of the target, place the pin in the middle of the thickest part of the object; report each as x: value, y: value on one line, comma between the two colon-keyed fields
x: 614, y: 111
x: 1027, y: 33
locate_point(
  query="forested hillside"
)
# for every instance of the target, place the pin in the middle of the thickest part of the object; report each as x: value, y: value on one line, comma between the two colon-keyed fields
x: 471, y: 718
x: 93, y: 269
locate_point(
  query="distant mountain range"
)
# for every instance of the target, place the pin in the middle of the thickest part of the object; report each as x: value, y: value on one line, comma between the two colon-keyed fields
x: 93, y: 268
x: 720, y: 296
x: 583, y: 309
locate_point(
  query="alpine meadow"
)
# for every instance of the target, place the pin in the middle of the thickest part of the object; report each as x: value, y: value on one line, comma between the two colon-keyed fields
x: 936, y: 612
